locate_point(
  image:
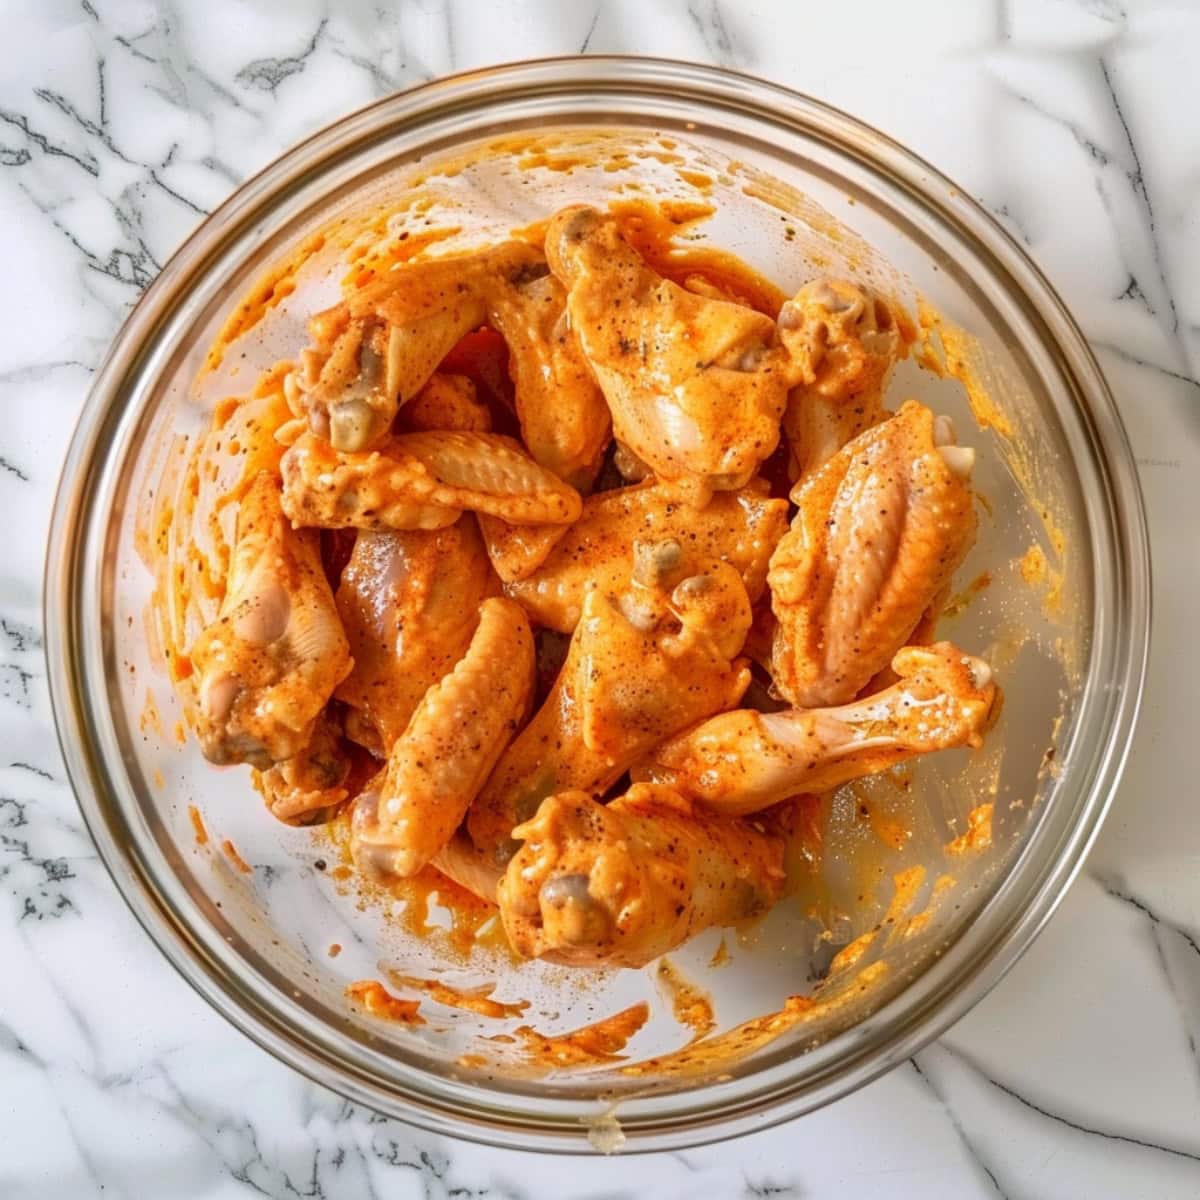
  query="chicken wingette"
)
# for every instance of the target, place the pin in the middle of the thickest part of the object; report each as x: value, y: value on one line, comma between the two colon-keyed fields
x: 740, y: 528
x: 409, y: 603
x: 880, y: 529
x: 436, y: 767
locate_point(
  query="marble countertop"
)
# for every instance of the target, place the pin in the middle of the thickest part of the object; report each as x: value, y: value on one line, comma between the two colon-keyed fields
x: 122, y: 124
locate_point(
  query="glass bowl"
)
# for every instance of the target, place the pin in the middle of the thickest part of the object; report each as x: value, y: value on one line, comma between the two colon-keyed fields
x: 934, y: 907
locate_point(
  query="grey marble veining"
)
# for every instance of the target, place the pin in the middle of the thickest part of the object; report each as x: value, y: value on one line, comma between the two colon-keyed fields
x: 121, y: 124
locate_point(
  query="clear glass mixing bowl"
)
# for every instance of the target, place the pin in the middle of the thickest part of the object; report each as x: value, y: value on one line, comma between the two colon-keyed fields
x: 1068, y: 642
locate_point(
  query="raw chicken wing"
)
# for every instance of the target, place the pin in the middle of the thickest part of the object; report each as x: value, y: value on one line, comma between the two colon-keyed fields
x: 376, y: 350
x: 308, y: 788
x: 640, y: 667
x: 564, y: 417
x: 696, y: 386
x: 744, y: 761
x: 270, y: 662
x: 880, y: 529
x: 740, y: 528
x: 623, y: 883
x: 409, y: 603
x: 437, y: 766
x: 421, y: 481
x: 843, y: 342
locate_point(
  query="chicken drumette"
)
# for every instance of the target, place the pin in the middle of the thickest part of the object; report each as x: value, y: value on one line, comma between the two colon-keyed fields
x: 745, y: 761
x: 619, y: 884
x: 843, y: 341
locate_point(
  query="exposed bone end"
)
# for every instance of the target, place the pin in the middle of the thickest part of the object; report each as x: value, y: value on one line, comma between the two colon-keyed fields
x: 790, y: 318
x: 944, y: 433
x: 570, y: 913
x: 960, y: 459
x: 833, y: 295
x: 568, y: 230
x: 692, y: 588
x: 318, y: 421
x: 654, y: 562
x: 573, y: 224
x: 375, y: 859
x: 353, y: 424
x: 981, y: 672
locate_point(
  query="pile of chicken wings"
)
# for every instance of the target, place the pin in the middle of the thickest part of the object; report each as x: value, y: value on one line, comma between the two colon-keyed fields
x: 538, y: 616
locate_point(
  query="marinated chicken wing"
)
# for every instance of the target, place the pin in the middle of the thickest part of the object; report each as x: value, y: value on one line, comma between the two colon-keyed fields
x: 843, y: 342
x: 696, y: 386
x: 270, y: 662
x: 640, y: 667
x: 740, y: 528
x: 409, y: 603
x: 437, y: 766
x: 308, y: 788
x: 880, y: 529
x: 421, y: 481
x: 623, y: 883
x: 741, y: 762
x: 564, y: 417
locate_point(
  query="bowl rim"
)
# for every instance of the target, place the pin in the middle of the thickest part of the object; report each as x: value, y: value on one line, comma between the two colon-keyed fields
x: 69, y: 576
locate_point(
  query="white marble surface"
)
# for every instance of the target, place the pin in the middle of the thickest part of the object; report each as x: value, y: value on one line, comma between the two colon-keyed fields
x: 1076, y: 123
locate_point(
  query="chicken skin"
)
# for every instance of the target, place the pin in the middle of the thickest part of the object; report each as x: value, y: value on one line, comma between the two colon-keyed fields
x: 843, y: 342
x: 641, y: 666
x: 437, y: 766
x: 696, y: 386
x: 421, y: 481
x: 745, y: 761
x: 880, y: 530
x: 270, y: 662
x: 564, y: 418
x: 409, y: 603
x: 740, y: 528
x: 620, y: 884
x: 516, y: 551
